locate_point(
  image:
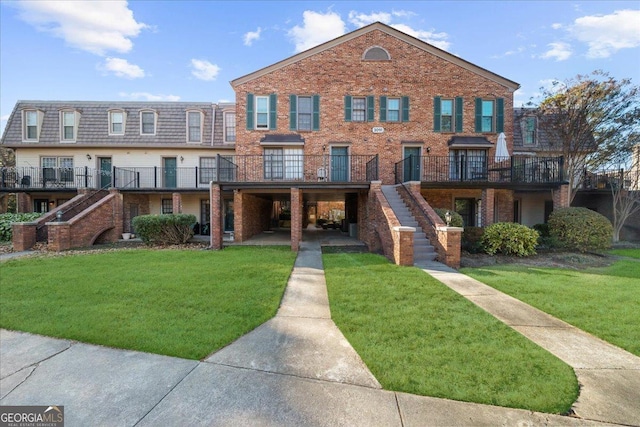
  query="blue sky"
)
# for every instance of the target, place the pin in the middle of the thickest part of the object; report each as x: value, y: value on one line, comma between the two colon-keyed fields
x: 190, y: 50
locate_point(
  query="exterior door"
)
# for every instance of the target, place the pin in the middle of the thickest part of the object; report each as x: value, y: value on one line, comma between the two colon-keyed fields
x: 412, y: 164
x: 169, y: 168
x: 105, y: 171
x: 340, y: 164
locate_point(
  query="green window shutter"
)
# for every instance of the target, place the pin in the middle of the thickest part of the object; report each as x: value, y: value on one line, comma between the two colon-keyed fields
x: 459, y: 107
x: 316, y: 112
x: 347, y: 108
x: 383, y: 108
x: 293, y: 109
x: 405, y: 108
x: 273, y: 108
x: 436, y: 114
x: 478, y: 114
x: 371, y: 102
x: 250, y: 111
x: 499, y: 115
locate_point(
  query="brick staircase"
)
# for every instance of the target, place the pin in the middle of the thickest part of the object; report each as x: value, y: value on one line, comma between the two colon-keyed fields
x: 422, y: 249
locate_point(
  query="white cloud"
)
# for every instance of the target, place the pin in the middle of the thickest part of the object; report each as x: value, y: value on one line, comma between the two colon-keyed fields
x: 317, y: 29
x: 122, y: 68
x: 252, y: 36
x: 361, y: 19
x: 556, y: 26
x: 204, y: 70
x: 146, y: 96
x: 606, y: 34
x: 559, y: 51
x: 94, y: 26
x: 436, y: 39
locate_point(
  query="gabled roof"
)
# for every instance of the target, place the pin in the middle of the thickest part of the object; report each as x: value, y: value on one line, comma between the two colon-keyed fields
x: 378, y: 26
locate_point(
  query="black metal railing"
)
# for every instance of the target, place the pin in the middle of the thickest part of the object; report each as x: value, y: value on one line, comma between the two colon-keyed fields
x: 30, y: 177
x: 611, y: 180
x: 480, y: 169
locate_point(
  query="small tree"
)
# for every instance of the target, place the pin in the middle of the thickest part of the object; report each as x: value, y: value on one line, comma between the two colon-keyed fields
x: 591, y: 121
x: 625, y: 192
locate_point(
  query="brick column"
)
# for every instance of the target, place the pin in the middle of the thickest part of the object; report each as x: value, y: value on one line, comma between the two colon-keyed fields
x: 176, y: 198
x: 403, y: 245
x: 561, y: 197
x: 59, y: 236
x: 504, y: 204
x: 450, y: 238
x: 24, y: 203
x: 296, y: 218
x: 487, y: 209
x: 238, y: 210
x: 215, y: 220
x: 24, y: 235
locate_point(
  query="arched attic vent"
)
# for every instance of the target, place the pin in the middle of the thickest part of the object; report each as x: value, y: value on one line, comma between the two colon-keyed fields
x: 376, y: 53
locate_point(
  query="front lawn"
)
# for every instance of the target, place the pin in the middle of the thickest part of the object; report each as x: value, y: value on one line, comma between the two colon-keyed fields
x: 602, y: 301
x: 184, y: 303
x: 630, y: 253
x: 418, y: 336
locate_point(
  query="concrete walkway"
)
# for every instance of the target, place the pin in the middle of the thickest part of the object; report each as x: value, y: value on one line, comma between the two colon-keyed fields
x: 609, y: 377
x: 295, y: 370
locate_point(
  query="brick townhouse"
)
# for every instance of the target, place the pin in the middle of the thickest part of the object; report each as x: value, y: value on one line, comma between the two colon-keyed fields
x: 339, y: 125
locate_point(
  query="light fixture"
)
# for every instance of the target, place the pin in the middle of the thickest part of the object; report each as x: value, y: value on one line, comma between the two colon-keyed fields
x: 181, y: 159
x: 447, y: 218
x: 59, y: 216
x: 428, y: 150
x: 88, y: 156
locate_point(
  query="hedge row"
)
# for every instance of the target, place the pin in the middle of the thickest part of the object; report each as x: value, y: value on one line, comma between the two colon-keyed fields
x: 164, y: 229
x: 6, y: 232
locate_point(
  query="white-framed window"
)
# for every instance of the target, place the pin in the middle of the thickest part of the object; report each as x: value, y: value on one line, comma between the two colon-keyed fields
x: 147, y: 122
x: 116, y: 122
x: 32, y: 121
x: 194, y: 126
x: 393, y: 109
x: 68, y: 126
x: 446, y: 115
x: 358, y: 109
x: 283, y: 163
x: 56, y: 169
x: 167, y: 206
x: 488, y: 113
x: 529, y: 130
x: 262, y: 112
x: 305, y: 112
x: 229, y: 118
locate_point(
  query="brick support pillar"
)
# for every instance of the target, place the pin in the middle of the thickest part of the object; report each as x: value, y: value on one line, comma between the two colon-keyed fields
x: 450, y: 238
x: 403, y: 245
x: 59, y: 236
x: 24, y: 235
x: 561, y: 197
x: 24, y: 203
x: 118, y: 213
x: 488, y: 206
x: 176, y: 198
x: 238, y: 208
x: 215, y: 220
x: 296, y: 218
x: 504, y: 203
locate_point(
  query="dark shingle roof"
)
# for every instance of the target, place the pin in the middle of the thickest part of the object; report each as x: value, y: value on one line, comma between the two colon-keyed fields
x: 93, y: 127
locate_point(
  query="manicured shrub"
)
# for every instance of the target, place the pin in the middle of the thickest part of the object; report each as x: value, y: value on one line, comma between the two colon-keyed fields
x: 456, y: 219
x: 580, y: 229
x: 164, y: 229
x: 472, y: 239
x: 545, y: 240
x: 509, y: 238
x: 6, y: 232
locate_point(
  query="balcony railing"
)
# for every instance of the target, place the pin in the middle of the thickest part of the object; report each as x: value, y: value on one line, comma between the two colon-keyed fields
x: 480, y: 169
x: 611, y: 180
x: 226, y: 169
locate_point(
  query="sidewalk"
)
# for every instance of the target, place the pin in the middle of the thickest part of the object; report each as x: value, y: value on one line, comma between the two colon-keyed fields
x: 295, y: 370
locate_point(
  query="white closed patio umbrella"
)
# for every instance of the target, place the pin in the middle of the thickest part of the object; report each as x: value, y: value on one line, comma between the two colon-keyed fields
x: 502, y: 153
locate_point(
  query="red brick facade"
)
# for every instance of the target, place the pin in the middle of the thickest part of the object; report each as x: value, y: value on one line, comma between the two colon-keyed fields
x: 252, y: 215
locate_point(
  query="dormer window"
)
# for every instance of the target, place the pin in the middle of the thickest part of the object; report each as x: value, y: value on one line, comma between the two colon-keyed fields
x: 69, y: 125
x: 229, y: 126
x: 32, y: 123
x: 116, y: 122
x: 147, y: 123
x: 529, y: 130
x: 194, y: 126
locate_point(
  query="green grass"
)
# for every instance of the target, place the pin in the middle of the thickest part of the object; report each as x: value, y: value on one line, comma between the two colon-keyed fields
x: 418, y: 336
x: 630, y: 253
x: 179, y: 303
x: 602, y: 301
